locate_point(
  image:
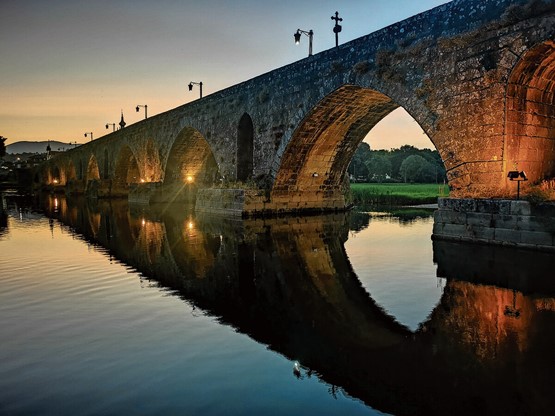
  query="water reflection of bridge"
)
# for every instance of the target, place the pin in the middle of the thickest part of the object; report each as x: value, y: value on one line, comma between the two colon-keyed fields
x: 289, y: 284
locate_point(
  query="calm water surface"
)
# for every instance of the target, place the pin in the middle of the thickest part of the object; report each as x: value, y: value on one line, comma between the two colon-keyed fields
x: 107, y: 309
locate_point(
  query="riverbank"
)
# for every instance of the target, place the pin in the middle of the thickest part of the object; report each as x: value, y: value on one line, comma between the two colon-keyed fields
x: 397, y: 193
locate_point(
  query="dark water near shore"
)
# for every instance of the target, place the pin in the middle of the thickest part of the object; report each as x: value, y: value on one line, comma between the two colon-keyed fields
x: 107, y: 309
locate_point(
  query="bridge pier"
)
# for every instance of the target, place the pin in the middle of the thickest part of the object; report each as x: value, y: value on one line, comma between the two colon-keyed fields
x: 504, y: 222
x: 258, y: 202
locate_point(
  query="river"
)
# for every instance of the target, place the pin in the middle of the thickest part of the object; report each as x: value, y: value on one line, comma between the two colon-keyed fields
x: 111, y: 309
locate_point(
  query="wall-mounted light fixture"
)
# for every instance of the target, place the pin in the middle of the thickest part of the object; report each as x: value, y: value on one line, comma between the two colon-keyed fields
x: 89, y: 134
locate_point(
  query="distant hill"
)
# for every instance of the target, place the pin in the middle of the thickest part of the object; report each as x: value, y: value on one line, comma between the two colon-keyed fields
x: 36, y: 147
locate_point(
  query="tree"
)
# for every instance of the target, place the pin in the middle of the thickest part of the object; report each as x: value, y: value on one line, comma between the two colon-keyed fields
x: 357, y: 167
x: 417, y: 169
x: 3, y: 146
x: 379, y: 168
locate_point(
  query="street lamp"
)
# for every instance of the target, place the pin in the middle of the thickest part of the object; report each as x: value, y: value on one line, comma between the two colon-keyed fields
x: 145, y: 106
x: 111, y: 124
x: 337, y: 27
x: 515, y: 175
x: 310, y: 34
x: 195, y: 83
x: 89, y: 134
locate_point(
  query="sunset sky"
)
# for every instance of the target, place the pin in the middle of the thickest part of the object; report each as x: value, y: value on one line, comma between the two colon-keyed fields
x: 70, y: 67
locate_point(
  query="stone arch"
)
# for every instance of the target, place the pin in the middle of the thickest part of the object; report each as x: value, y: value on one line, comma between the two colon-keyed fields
x: 152, y: 166
x: 191, y: 160
x: 529, y: 143
x: 245, y: 148
x: 71, y: 173
x: 313, y: 166
x: 93, y: 172
x: 127, y: 169
x: 56, y: 175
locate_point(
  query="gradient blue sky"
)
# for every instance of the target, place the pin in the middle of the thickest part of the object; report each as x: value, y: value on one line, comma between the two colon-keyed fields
x: 70, y: 67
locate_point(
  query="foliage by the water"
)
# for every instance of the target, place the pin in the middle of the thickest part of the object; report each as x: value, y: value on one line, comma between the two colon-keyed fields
x: 397, y: 193
x: 406, y: 164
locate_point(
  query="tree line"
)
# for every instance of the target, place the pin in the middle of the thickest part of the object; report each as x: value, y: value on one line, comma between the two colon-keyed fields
x: 407, y: 164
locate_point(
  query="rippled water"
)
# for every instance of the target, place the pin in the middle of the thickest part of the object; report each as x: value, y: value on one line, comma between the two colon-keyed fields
x: 115, y: 310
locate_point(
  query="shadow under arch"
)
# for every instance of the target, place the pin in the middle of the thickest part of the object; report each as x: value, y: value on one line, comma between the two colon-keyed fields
x: 93, y: 173
x: 190, y: 165
x: 126, y: 172
x: 245, y: 148
x: 152, y: 166
x: 316, y: 159
x: 530, y: 115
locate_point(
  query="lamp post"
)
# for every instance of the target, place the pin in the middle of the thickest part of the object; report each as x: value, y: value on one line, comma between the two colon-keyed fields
x: 515, y: 175
x: 337, y: 27
x: 310, y: 34
x: 145, y: 106
x: 111, y: 124
x: 89, y: 134
x: 195, y: 83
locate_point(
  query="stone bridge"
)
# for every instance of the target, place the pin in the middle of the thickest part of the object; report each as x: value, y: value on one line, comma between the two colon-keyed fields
x: 477, y: 76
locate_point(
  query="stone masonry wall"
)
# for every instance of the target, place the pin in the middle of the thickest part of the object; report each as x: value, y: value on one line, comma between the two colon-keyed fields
x: 496, y: 221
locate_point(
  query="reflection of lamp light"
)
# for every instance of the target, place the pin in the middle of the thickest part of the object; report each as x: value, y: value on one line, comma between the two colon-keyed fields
x: 142, y: 180
x: 515, y: 175
x: 315, y: 175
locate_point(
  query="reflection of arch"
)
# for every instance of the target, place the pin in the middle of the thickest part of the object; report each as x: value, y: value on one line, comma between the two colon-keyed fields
x: 190, y: 160
x: 317, y: 156
x: 530, y: 139
x: 245, y: 138
x: 93, y: 172
x: 127, y: 169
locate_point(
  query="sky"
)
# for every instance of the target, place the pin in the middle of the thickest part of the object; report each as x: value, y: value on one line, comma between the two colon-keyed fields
x: 69, y: 67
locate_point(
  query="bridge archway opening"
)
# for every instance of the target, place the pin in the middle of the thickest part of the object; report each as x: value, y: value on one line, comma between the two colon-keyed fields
x: 315, y: 161
x: 245, y: 148
x: 191, y: 161
x: 71, y: 173
x: 152, y: 166
x: 56, y: 175
x: 127, y: 169
x: 93, y: 172
x: 530, y: 124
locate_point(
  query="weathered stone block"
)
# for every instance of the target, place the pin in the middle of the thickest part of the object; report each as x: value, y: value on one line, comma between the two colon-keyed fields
x: 537, y: 238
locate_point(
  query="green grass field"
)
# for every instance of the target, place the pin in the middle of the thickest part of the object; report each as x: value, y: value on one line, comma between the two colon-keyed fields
x: 397, y: 193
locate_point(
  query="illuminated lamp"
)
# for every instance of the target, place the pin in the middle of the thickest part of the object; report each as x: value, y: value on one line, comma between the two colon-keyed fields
x: 515, y: 175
